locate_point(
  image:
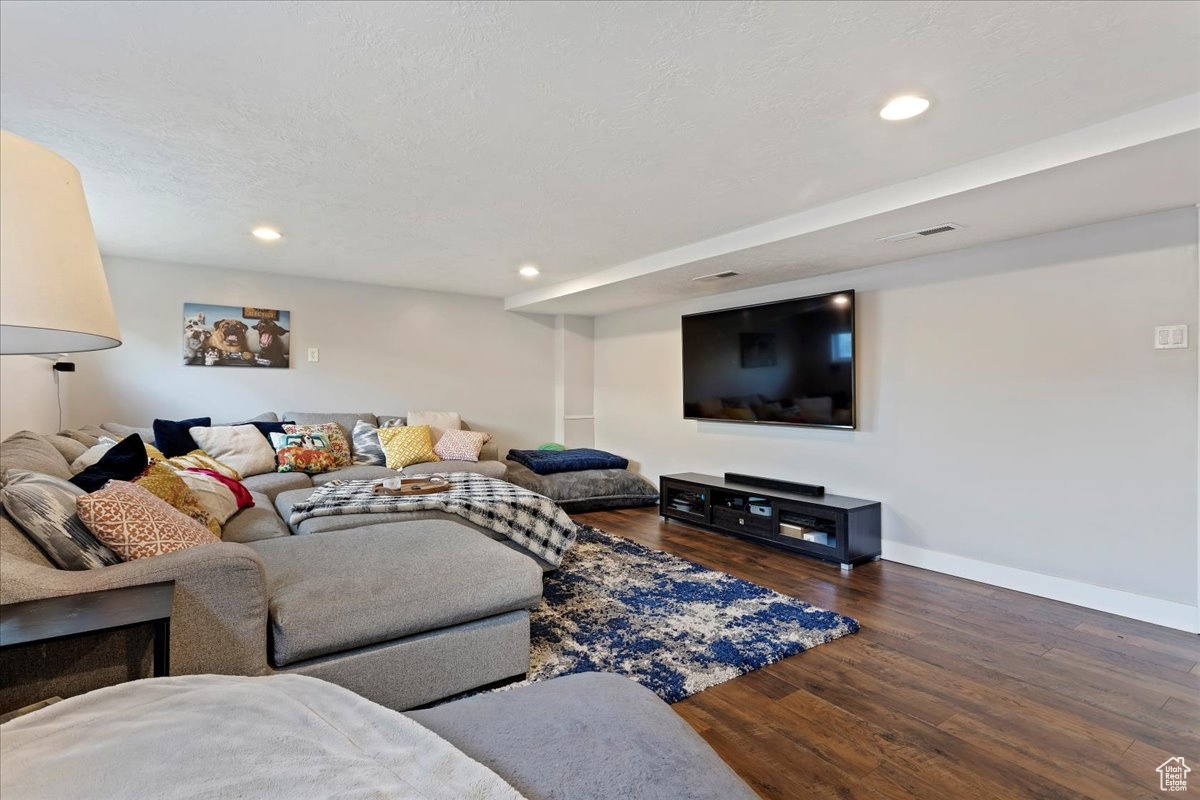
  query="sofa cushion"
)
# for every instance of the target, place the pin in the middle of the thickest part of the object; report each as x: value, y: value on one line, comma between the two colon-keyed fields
x: 70, y: 448
x: 438, y: 421
x: 355, y: 473
x: 124, y: 461
x: 636, y: 745
x: 493, y: 469
x: 31, y: 452
x: 43, y: 506
x: 272, y: 483
x: 343, y: 421
x: 120, y: 431
x: 266, y: 416
x: 255, y: 523
x: 407, y: 579
x: 283, y: 501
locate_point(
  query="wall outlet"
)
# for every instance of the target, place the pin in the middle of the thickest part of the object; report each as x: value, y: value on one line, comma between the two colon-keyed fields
x: 1171, y: 337
x: 314, y: 355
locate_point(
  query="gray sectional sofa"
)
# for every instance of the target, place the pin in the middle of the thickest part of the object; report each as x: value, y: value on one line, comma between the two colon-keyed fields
x: 404, y: 611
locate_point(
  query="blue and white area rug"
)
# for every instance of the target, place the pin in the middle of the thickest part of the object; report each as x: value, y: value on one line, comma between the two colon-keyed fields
x: 673, y: 626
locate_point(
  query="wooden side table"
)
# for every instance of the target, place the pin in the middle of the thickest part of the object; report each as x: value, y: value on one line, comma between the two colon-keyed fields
x: 53, y: 618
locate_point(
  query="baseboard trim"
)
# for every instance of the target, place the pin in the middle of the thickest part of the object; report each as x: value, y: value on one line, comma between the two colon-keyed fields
x: 1111, y: 601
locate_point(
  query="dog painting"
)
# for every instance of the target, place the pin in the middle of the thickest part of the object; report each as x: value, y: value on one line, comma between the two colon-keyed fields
x: 232, y: 336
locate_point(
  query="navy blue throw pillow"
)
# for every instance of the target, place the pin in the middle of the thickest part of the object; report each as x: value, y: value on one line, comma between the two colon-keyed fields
x: 267, y: 428
x: 124, y: 461
x: 172, y: 437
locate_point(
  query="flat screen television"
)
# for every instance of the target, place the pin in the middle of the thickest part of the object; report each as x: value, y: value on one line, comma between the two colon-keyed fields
x: 785, y: 363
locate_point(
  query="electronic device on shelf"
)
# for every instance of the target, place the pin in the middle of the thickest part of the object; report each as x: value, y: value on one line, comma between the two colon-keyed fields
x: 774, y: 483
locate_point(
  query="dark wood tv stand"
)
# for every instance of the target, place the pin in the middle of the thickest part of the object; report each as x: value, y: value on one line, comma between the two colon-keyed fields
x: 843, y: 530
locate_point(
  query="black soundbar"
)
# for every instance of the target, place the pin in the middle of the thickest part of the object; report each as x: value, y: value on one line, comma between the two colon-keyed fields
x: 810, y: 489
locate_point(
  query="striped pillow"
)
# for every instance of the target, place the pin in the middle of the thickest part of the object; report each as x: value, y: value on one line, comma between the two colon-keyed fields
x: 368, y: 450
x: 44, y: 508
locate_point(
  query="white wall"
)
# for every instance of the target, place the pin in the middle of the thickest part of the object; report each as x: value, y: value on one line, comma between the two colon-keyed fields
x: 1015, y: 420
x: 574, y: 375
x: 28, y: 400
x: 382, y: 350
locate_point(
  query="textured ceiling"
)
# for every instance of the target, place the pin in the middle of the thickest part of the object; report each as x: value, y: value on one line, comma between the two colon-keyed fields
x: 440, y: 145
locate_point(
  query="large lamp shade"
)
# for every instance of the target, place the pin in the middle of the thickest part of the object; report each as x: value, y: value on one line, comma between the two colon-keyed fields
x: 53, y: 295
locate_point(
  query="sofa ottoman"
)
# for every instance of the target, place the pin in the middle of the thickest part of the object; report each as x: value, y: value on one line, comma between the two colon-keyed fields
x: 591, y: 736
x: 426, y: 610
x: 582, y: 737
x: 407, y: 579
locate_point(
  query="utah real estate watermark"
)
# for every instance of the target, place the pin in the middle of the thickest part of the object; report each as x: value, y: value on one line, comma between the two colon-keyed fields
x: 1172, y: 775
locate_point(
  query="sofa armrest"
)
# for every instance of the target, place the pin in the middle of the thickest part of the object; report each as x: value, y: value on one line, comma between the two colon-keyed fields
x: 219, y: 623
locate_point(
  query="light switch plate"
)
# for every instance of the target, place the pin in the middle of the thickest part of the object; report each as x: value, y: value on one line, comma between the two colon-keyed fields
x: 1171, y: 337
x: 313, y: 354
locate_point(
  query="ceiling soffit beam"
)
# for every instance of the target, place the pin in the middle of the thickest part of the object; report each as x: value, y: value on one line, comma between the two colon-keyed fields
x: 1151, y: 124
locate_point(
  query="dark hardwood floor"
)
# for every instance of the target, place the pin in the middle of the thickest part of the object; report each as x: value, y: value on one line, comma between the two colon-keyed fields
x: 952, y: 689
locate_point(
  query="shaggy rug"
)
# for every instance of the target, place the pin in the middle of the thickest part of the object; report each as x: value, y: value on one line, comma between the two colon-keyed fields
x: 673, y: 626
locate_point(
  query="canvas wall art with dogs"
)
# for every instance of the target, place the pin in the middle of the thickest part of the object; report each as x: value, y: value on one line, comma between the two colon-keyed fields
x: 232, y: 336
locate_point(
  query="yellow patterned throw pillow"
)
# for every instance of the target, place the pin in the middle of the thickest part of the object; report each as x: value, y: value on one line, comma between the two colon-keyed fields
x: 405, y: 446
x: 162, y: 482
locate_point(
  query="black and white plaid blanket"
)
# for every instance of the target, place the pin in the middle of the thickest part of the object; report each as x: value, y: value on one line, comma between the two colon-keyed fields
x: 533, y: 521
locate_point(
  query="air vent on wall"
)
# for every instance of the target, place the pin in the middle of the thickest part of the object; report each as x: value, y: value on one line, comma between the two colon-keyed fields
x: 716, y: 276
x: 945, y: 227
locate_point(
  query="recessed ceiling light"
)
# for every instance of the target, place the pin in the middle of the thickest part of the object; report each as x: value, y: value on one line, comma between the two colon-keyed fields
x: 267, y: 234
x: 529, y: 271
x: 905, y: 106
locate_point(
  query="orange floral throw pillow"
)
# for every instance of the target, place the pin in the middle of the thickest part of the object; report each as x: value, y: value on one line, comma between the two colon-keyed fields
x: 136, y: 524
x: 305, y: 459
x: 333, y: 432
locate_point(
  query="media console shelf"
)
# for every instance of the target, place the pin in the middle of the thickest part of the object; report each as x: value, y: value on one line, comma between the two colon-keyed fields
x: 844, y: 530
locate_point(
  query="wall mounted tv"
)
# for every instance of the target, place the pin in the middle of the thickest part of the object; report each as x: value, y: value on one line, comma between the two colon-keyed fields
x: 785, y: 363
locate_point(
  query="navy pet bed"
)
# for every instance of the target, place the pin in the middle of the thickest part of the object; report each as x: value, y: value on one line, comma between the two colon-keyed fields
x: 549, y: 462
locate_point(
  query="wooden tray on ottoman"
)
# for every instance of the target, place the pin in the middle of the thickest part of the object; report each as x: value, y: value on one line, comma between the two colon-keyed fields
x: 430, y: 485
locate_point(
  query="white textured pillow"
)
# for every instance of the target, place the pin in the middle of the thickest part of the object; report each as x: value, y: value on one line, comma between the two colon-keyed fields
x: 438, y: 421
x: 92, y: 455
x: 241, y: 447
x: 214, y: 497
